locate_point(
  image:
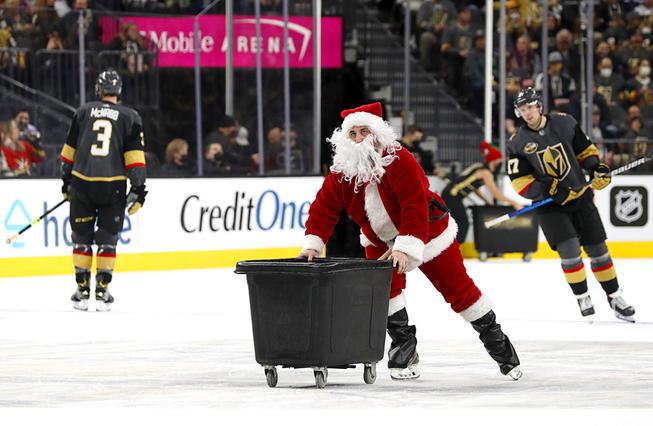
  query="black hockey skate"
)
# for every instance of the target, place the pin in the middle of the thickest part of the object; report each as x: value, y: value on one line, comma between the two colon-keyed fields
x: 103, y: 298
x: 621, y: 308
x: 402, y: 357
x: 586, y: 306
x: 498, y: 345
x: 80, y: 297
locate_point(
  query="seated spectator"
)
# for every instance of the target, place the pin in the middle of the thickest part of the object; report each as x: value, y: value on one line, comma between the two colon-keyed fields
x: 433, y: 17
x: 177, y: 162
x: 69, y: 27
x: 20, y: 155
x: 21, y: 23
x: 45, y: 20
x: 616, y: 33
x: 456, y: 45
x: 608, y: 82
x: 239, y: 158
x: 474, y: 75
x: 132, y: 42
x: 225, y: 133
x: 411, y: 141
x: 561, y: 85
x: 522, y: 61
x: 569, y: 54
x: 631, y: 54
x: 276, y: 152
x: 214, y: 164
x: 642, y: 85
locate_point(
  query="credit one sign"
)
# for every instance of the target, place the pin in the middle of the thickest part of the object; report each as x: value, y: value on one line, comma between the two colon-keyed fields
x: 175, y: 37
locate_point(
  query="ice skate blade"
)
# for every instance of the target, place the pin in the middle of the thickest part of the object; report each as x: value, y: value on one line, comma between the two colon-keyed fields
x: 410, y: 373
x: 589, y: 319
x: 624, y: 317
x: 515, y: 373
x: 102, y: 306
x: 82, y: 305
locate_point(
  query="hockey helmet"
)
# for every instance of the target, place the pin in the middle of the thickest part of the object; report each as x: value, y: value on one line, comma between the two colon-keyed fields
x: 527, y: 96
x: 110, y: 83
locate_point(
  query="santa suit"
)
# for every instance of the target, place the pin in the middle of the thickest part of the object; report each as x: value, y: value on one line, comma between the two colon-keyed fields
x: 401, y: 212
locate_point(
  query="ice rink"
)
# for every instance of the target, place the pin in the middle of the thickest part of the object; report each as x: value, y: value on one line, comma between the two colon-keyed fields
x: 183, y: 340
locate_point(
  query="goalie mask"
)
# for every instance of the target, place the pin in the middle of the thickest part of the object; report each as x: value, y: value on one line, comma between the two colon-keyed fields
x: 108, y: 83
x: 528, y: 96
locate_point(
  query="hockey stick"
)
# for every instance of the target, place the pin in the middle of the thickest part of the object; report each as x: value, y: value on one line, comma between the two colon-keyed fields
x: 507, y: 216
x: 13, y: 237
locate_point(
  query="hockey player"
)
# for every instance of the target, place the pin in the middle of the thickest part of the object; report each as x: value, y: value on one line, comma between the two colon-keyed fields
x: 547, y: 157
x: 471, y: 180
x: 384, y: 189
x: 104, y: 147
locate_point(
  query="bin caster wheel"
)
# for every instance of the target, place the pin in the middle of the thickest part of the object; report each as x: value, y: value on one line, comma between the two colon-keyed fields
x: 528, y: 256
x: 320, y: 378
x: 369, y: 375
x: 271, y: 376
x: 482, y: 256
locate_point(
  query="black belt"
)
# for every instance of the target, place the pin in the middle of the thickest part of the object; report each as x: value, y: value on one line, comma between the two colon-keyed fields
x: 444, y: 209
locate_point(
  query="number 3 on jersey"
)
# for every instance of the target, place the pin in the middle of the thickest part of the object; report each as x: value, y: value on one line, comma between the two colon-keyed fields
x: 103, y: 129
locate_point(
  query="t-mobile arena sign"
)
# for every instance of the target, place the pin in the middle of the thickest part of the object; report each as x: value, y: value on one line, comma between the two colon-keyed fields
x: 176, y: 40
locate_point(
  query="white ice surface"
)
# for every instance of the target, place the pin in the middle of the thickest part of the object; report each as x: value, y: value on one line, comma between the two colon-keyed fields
x: 182, y: 340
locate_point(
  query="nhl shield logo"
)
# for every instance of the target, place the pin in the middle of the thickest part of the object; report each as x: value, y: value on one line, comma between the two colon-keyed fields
x: 554, y: 161
x: 629, y: 206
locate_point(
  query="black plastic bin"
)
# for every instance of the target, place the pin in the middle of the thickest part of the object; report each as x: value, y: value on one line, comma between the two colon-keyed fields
x: 517, y: 235
x: 328, y: 313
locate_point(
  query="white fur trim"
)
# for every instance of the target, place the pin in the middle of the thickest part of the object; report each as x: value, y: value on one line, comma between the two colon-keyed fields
x: 382, y: 130
x: 313, y: 242
x: 479, y: 308
x: 413, y: 247
x: 365, y: 242
x: 378, y: 216
x: 396, y: 304
x: 442, y: 242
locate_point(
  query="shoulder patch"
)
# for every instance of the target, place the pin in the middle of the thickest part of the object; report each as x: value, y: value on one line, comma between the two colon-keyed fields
x: 530, y: 148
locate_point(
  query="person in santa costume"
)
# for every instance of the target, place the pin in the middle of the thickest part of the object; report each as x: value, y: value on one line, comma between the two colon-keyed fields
x: 385, y: 191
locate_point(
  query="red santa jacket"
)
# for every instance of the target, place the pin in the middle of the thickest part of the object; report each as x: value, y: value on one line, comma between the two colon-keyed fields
x: 399, y: 211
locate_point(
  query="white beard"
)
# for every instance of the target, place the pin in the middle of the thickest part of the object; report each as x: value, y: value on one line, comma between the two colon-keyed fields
x: 360, y: 162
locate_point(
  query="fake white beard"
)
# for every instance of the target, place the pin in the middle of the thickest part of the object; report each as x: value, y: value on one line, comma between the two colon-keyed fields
x: 361, y: 162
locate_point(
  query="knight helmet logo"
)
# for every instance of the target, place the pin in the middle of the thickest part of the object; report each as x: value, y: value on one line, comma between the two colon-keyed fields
x: 554, y: 161
x: 628, y: 206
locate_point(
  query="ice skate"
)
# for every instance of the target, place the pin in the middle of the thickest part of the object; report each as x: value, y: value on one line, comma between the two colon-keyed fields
x: 103, y: 298
x: 411, y: 372
x: 498, y: 345
x: 586, y: 306
x: 621, y: 308
x: 80, y: 298
x: 515, y: 373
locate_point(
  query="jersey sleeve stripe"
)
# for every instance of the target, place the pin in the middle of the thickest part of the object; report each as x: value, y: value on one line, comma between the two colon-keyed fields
x: 68, y: 154
x: 134, y: 158
x: 590, y: 151
x: 521, y: 184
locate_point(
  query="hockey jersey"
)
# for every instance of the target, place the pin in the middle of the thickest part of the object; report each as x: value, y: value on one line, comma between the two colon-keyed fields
x: 559, y: 150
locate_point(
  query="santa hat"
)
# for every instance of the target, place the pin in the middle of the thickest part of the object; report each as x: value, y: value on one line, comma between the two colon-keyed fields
x: 370, y: 115
x: 489, y: 152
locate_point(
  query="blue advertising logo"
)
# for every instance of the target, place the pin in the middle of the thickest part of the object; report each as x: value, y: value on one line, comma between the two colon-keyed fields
x: 13, y: 223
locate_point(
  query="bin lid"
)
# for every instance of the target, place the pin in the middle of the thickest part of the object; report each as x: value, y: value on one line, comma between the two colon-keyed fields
x: 318, y: 265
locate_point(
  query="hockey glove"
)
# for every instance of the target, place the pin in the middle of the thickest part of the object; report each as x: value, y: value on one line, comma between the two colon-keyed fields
x: 135, y: 199
x: 563, y: 194
x: 65, y: 188
x: 600, y: 176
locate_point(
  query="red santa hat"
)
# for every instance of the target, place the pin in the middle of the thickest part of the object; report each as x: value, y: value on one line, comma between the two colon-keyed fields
x: 370, y: 115
x: 489, y: 152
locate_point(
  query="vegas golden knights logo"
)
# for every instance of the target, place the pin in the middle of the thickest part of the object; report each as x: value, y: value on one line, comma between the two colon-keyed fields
x: 554, y: 161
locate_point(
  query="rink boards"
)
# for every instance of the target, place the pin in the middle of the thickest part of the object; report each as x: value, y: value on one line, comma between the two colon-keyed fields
x: 212, y: 223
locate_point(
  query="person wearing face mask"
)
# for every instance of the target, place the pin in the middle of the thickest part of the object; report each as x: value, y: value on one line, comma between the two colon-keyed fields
x: 642, y: 84
x: 385, y: 191
x: 177, y: 162
x: 608, y: 83
x: 214, y: 164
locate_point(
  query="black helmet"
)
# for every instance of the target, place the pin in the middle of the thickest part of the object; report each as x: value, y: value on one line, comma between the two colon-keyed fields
x: 110, y: 83
x: 527, y: 96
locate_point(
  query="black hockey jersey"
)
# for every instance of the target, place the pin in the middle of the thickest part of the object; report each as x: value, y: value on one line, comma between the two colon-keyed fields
x: 466, y: 182
x: 104, y: 142
x: 559, y: 150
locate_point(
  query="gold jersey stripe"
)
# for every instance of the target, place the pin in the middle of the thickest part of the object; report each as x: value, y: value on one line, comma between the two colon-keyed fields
x: 134, y: 156
x: 590, y: 151
x: 98, y: 179
x: 467, y: 183
x: 105, y: 262
x: 521, y: 183
x: 68, y: 152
